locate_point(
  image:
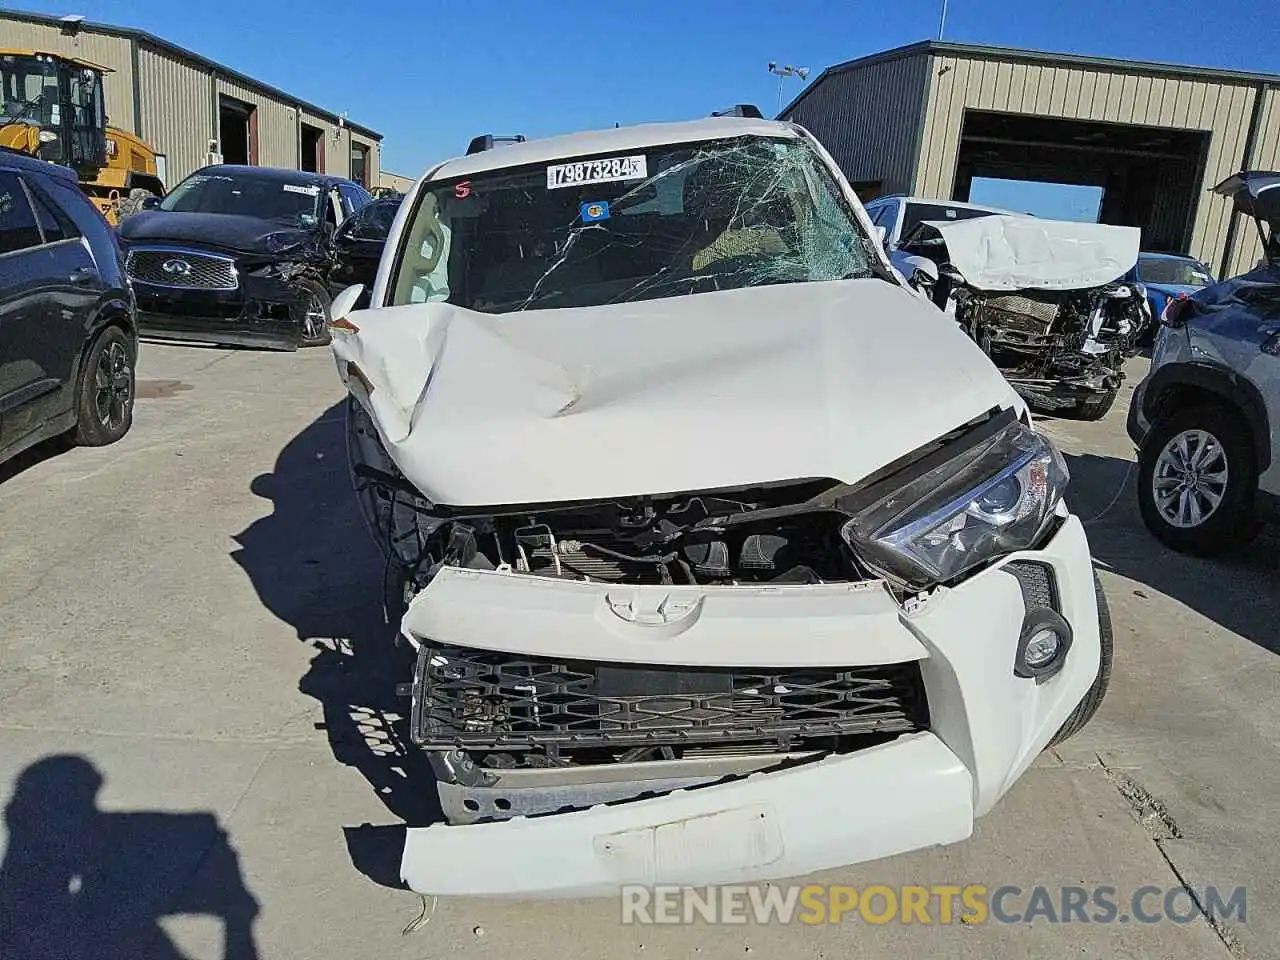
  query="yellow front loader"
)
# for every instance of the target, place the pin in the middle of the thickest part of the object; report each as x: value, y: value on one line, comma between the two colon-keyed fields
x: 51, y: 107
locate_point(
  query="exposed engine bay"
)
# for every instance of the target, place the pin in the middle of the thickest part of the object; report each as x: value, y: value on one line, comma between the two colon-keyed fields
x: 1042, y: 299
x: 1060, y: 350
x: 747, y: 536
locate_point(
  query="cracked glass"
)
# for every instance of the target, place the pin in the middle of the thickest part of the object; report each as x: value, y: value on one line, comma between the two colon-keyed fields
x: 720, y: 215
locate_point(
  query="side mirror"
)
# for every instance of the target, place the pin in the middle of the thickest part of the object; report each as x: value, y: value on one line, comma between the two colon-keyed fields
x: 921, y: 272
x: 882, y: 235
x: 150, y: 202
x: 343, y: 304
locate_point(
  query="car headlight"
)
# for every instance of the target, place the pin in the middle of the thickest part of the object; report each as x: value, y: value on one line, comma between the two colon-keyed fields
x: 996, y: 497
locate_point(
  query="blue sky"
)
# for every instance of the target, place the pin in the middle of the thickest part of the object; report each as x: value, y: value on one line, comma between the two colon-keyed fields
x: 430, y: 74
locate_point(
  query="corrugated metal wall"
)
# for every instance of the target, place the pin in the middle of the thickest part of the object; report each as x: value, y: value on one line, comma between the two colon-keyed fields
x: 277, y: 124
x: 1266, y: 156
x: 103, y: 49
x: 177, y: 112
x: 395, y: 181
x: 869, y: 119
x: 1073, y: 92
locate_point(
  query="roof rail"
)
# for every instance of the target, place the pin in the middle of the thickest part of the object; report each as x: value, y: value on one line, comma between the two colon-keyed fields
x: 740, y: 110
x: 489, y: 141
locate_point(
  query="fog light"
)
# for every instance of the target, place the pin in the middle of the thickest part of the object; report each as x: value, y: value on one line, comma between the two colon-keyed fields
x: 1043, y: 644
x: 1041, y: 648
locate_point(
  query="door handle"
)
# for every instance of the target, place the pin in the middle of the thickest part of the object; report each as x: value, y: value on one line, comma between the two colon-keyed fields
x: 83, y: 275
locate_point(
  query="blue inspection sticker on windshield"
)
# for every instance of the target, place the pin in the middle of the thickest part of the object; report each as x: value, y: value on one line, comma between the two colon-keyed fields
x: 594, y: 210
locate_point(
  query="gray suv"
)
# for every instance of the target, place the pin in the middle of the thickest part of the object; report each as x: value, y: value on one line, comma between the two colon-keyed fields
x: 1207, y: 417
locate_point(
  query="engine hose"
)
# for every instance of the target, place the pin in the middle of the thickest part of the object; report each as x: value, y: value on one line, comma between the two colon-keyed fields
x: 619, y: 555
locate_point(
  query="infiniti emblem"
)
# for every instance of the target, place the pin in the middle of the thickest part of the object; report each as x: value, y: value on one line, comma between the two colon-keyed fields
x: 179, y: 268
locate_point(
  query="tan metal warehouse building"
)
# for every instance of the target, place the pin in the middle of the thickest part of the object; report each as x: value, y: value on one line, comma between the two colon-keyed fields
x: 927, y: 118
x: 179, y: 101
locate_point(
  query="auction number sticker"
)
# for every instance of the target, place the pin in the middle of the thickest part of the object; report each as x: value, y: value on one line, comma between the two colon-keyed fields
x: 310, y: 191
x: 596, y: 171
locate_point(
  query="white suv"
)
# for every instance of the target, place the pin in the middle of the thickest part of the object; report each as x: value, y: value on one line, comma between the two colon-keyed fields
x: 1207, y: 416
x: 725, y: 557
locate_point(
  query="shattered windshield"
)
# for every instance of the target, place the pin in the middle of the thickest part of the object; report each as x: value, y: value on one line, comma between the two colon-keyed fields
x: 266, y: 198
x: 668, y: 221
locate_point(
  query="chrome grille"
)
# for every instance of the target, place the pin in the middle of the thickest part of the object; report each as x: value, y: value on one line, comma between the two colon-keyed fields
x: 181, y: 269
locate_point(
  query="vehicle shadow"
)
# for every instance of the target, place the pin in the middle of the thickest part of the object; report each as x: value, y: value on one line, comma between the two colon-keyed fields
x: 1226, y: 589
x: 315, y: 567
x: 33, y: 456
x: 80, y: 882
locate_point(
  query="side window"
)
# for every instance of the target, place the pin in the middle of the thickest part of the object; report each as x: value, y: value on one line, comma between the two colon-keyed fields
x: 356, y: 198
x: 18, y: 227
x: 53, y: 222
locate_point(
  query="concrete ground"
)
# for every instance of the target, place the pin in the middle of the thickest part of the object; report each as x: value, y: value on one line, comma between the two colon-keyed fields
x: 199, y: 718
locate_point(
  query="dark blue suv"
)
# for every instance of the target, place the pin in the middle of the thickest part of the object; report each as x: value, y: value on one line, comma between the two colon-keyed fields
x: 68, y: 340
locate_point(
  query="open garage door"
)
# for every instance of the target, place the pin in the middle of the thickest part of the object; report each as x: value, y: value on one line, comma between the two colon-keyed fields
x: 1148, y: 175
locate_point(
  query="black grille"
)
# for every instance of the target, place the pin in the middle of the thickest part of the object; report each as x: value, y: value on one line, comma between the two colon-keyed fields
x: 182, y: 269
x: 476, y: 699
x: 1039, y: 589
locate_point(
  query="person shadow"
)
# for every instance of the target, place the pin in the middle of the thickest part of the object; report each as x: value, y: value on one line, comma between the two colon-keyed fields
x: 78, y: 882
x: 316, y: 567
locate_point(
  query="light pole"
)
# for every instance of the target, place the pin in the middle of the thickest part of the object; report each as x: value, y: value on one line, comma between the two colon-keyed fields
x: 782, y: 74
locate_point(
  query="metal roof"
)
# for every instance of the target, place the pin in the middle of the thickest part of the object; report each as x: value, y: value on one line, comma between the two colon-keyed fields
x: 28, y: 52
x: 946, y: 48
x: 222, y: 70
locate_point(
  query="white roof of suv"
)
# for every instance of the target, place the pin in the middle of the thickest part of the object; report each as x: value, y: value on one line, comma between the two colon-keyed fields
x: 613, y: 140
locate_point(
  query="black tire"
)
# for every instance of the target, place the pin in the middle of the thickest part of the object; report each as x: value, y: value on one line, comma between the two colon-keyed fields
x: 105, y: 391
x: 131, y: 204
x: 1087, y: 707
x: 314, y: 334
x: 1234, y: 521
x: 1095, y: 408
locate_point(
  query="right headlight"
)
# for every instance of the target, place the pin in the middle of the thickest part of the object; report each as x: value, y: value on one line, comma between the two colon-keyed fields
x: 994, y: 498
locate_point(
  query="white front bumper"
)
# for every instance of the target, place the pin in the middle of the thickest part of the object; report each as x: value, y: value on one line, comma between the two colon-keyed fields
x: 986, y: 725
x: 900, y: 796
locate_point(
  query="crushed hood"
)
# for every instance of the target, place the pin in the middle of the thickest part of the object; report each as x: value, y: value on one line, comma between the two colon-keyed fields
x: 1020, y: 253
x: 832, y: 379
x: 217, y: 230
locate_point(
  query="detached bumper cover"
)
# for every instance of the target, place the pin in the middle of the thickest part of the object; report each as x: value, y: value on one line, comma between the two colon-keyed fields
x: 885, y: 800
x: 986, y: 726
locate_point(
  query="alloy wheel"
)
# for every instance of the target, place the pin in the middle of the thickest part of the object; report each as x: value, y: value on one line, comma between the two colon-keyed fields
x: 113, y: 382
x: 1190, y: 478
x: 316, y: 319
